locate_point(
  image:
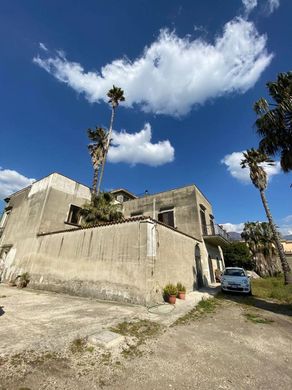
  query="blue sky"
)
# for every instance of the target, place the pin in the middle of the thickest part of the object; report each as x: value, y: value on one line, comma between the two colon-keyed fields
x: 190, y: 70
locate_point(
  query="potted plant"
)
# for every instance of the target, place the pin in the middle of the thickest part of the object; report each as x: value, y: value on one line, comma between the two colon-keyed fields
x: 181, y: 291
x: 22, y: 280
x: 170, y: 293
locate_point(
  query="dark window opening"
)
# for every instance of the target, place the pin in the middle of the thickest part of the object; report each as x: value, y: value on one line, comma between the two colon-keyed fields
x: 74, y: 216
x: 166, y: 217
x: 203, y: 222
x: 137, y: 214
x: 212, y: 225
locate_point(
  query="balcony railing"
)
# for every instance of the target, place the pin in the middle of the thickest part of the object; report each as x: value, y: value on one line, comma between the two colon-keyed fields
x: 215, y: 230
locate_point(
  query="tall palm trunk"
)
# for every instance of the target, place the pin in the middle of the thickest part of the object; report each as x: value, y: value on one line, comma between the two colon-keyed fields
x: 94, y: 181
x: 279, y: 246
x: 107, y: 147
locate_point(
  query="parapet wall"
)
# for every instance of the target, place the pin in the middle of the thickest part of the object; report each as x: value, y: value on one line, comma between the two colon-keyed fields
x: 129, y: 262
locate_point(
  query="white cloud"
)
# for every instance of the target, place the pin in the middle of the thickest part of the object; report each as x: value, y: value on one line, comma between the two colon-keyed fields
x: 233, y: 227
x: 233, y: 160
x: 174, y: 74
x: 249, y: 5
x: 43, y: 46
x: 12, y: 181
x: 272, y: 5
x: 288, y: 219
x: 137, y: 148
x: 285, y: 225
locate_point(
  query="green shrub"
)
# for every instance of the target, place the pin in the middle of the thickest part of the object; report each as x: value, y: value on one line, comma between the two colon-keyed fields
x: 180, y: 287
x: 170, y: 289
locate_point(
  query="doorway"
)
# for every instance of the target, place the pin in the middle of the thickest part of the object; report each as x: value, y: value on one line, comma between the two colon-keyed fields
x: 199, y: 272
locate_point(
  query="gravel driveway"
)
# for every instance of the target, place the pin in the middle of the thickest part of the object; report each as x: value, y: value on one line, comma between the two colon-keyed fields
x: 235, y: 347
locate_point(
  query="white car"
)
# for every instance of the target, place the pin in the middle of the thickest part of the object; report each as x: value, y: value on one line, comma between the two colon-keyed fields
x: 235, y: 279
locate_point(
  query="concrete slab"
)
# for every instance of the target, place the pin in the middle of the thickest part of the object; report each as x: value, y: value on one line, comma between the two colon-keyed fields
x: 106, y: 339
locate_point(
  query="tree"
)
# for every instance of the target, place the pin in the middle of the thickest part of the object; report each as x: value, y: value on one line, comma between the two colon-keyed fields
x: 237, y: 254
x: 116, y: 95
x: 274, y: 123
x: 260, y: 241
x: 96, y: 149
x: 101, y: 209
x: 253, y: 159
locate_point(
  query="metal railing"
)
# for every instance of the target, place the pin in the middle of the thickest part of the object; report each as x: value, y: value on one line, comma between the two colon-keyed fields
x: 215, y: 230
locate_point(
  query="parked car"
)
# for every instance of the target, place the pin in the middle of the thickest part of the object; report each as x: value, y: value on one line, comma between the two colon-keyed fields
x: 235, y: 279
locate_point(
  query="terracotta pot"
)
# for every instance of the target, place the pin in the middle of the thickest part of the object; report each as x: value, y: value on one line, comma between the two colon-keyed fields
x: 182, y: 295
x: 172, y: 299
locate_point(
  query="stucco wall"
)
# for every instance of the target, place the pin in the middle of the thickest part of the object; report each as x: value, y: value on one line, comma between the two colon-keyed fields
x: 182, y: 200
x: 175, y: 260
x: 129, y: 262
x: 42, y: 207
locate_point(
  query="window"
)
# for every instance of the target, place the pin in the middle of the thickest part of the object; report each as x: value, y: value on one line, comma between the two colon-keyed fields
x: 212, y: 225
x: 73, y: 216
x: 203, y: 221
x: 137, y: 214
x: 166, y: 217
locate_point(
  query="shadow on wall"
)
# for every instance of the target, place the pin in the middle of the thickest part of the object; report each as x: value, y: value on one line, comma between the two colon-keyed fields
x: 1, y: 311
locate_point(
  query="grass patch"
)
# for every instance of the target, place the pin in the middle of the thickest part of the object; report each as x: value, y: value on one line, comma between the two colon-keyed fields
x: 106, y: 358
x: 140, y: 330
x: 78, y: 345
x: 205, y: 306
x: 257, y: 319
x: 272, y: 288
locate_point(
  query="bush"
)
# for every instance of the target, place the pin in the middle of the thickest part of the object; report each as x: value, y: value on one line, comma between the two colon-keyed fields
x: 170, y: 289
x: 237, y: 254
x: 180, y: 287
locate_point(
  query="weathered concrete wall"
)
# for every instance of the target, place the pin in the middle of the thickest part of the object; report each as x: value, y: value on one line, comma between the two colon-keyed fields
x: 130, y: 262
x: 106, y: 262
x: 62, y: 192
x: 174, y: 261
x: 42, y: 207
x: 182, y: 200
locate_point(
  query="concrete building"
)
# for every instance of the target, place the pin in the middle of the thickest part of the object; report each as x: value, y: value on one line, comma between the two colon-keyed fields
x: 287, y: 245
x: 166, y: 237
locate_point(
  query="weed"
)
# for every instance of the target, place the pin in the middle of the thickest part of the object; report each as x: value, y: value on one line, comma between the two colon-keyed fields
x: 106, y: 358
x: 90, y: 349
x: 203, y: 307
x: 257, y: 319
x: 141, y: 330
x: 78, y: 345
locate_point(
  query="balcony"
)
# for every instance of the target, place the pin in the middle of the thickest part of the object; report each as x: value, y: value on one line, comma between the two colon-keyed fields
x: 215, y: 235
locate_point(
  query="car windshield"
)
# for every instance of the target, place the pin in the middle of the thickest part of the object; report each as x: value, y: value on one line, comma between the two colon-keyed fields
x: 234, y: 272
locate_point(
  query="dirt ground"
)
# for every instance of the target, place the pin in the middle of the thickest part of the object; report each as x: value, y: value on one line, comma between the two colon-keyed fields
x: 236, y: 346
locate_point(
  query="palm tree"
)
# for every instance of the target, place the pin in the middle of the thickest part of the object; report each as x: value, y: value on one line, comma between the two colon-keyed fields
x: 274, y: 123
x: 253, y: 159
x: 116, y: 95
x: 96, y: 149
x: 260, y: 241
x: 101, y: 209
